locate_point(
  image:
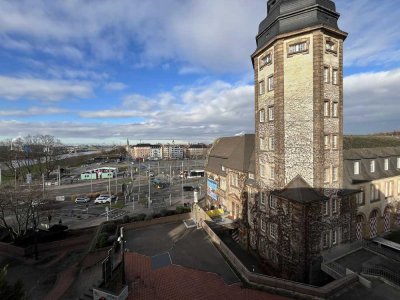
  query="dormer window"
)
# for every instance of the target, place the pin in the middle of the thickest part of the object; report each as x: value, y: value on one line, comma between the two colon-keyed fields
x: 298, y: 47
x: 265, y: 60
x: 331, y: 46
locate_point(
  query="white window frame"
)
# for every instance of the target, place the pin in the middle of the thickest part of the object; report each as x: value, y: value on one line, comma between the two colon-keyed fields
x: 272, y: 172
x: 273, y: 202
x: 335, y: 73
x: 335, y: 109
x: 356, y: 168
x: 386, y: 163
x: 334, y: 206
x: 334, y: 141
x: 261, y: 87
x: 262, y: 145
x: 263, y: 225
x: 262, y: 171
x: 271, y: 143
x: 262, y: 115
x: 326, y: 74
x: 398, y: 163
x: 262, y: 199
x: 297, y: 47
x: 372, y: 166
x: 273, y: 230
x: 270, y: 83
x: 334, y: 237
x: 327, y: 108
x: 327, y: 141
x: 271, y: 113
x: 325, y: 208
x: 251, y: 176
x: 335, y: 174
x: 327, y: 175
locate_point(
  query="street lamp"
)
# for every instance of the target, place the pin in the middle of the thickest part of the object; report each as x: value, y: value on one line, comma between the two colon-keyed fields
x: 195, y: 201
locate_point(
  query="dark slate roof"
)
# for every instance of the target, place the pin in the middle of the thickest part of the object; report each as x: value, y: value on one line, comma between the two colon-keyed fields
x: 290, y: 15
x: 365, y: 156
x: 235, y: 153
x: 300, y: 191
x: 193, y: 146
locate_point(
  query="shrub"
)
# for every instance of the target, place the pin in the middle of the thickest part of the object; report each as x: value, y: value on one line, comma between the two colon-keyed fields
x: 156, y: 215
x: 141, y: 217
x: 170, y: 213
x: 179, y: 209
x: 102, y: 240
x: 58, y: 228
x: 109, y: 227
x: 148, y: 217
x: 163, y: 212
x: 186, y: 209
x: 126, y: 219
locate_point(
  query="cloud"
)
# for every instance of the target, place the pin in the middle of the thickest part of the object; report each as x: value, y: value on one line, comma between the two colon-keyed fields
x: 115, y: 86
x: 213, y: 35
x: 192, y: 113
x: 13, y: 88
x: 32, y: 111
x: 374, y: 32
x: 372, y: 102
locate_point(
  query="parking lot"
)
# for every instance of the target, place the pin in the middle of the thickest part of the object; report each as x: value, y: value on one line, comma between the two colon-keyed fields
x: 190, y: 248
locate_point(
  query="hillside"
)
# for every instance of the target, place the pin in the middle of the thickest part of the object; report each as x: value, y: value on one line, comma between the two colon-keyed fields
x: 369, y: 141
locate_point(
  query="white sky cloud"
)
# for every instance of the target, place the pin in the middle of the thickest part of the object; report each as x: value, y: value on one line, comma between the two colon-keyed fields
x: 13, y: 88
x: 32, y: 111
x: 115, y: 86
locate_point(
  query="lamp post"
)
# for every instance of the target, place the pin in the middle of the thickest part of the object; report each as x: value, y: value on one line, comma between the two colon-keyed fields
x: 195, y: 200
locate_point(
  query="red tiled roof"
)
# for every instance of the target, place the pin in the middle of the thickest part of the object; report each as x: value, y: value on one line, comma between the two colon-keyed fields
x: 176, y: 282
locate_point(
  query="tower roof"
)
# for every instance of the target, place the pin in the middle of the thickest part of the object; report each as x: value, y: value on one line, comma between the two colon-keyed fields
x: 285, y: 16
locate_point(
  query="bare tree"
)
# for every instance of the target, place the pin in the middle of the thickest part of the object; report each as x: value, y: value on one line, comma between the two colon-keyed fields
x: 20, y: 209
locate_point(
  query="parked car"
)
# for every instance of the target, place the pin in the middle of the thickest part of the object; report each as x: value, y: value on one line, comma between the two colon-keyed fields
x: 190, y: 188
x: 102, y: 199
x: 82, y: 199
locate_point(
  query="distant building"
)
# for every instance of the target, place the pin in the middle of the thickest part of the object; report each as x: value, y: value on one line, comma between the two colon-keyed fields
x: 172, y: 151
x: 142, y: 151
x: 156, y: 151
x: 196, y: 151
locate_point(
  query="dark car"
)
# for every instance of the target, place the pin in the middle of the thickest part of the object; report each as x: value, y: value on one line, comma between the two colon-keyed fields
x: 190, y: 188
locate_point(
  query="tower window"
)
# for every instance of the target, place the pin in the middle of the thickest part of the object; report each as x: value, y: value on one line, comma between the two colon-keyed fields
x: 335, y: 174
x: 398, y: 163
x: 335, y: 76
x: 273, y: 230
x: 326, y: 74
x: 334, y: 141
x: 327, y: 143
x: 331, y: 46
x: 326, y: 175
x: 326, y: 108
x: 386, y: 164
x: 272, y: 174
x: 271, y: 83
x: 335, y: 106
x: 271, y: 143
x: 334, y: 206
x: 298, y: 47
x: 265, y: 60
x: 261, y: 87
x: 262, y: 116
x: 271, y: 113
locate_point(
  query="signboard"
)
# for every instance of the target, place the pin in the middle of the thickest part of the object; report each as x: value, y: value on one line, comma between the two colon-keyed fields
x: 60, y: 198
x: 212, y: 187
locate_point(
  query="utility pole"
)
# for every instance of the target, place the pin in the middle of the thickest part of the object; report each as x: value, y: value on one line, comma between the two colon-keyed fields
x: 59, y: 176
x: 116, y: 183
x: 139, y: 183
x: 149, y: 187
x: 91, y: 182
x: 183, y: 174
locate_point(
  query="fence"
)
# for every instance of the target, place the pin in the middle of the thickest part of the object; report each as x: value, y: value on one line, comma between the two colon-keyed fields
x: 278, y: 285
x: 382, y: 272
x: 381, y: 250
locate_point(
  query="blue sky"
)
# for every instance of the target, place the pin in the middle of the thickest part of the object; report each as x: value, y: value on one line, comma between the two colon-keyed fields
x: 160, y: 70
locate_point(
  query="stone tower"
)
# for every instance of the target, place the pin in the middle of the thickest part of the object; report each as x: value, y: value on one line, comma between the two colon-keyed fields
x: 298, y: 72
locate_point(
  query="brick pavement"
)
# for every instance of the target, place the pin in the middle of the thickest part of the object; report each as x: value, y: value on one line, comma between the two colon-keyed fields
x: 177, y: 282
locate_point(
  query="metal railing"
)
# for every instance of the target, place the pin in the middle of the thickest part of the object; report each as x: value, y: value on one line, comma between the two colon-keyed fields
x: 381, y: 250
x: 382, y: 272
x: 338, y: 269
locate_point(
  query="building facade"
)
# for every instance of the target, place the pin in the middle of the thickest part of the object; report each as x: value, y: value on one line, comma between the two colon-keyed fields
x: 196, y: 151
x: 156, y: 152
x: 172, y: 151
x: 376, y: 173
x: 142, y: 151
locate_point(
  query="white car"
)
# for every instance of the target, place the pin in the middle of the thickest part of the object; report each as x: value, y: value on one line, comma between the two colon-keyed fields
x: 102, y: 199
x: 82, y: 199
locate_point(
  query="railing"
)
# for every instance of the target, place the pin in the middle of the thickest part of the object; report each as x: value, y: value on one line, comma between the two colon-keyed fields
x: 382, y: 272
x: 335, y: 270
x: 340, y: 251
x: 381, y: 250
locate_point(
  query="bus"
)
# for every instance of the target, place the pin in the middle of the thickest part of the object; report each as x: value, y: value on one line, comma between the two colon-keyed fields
x: 195, y: 173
